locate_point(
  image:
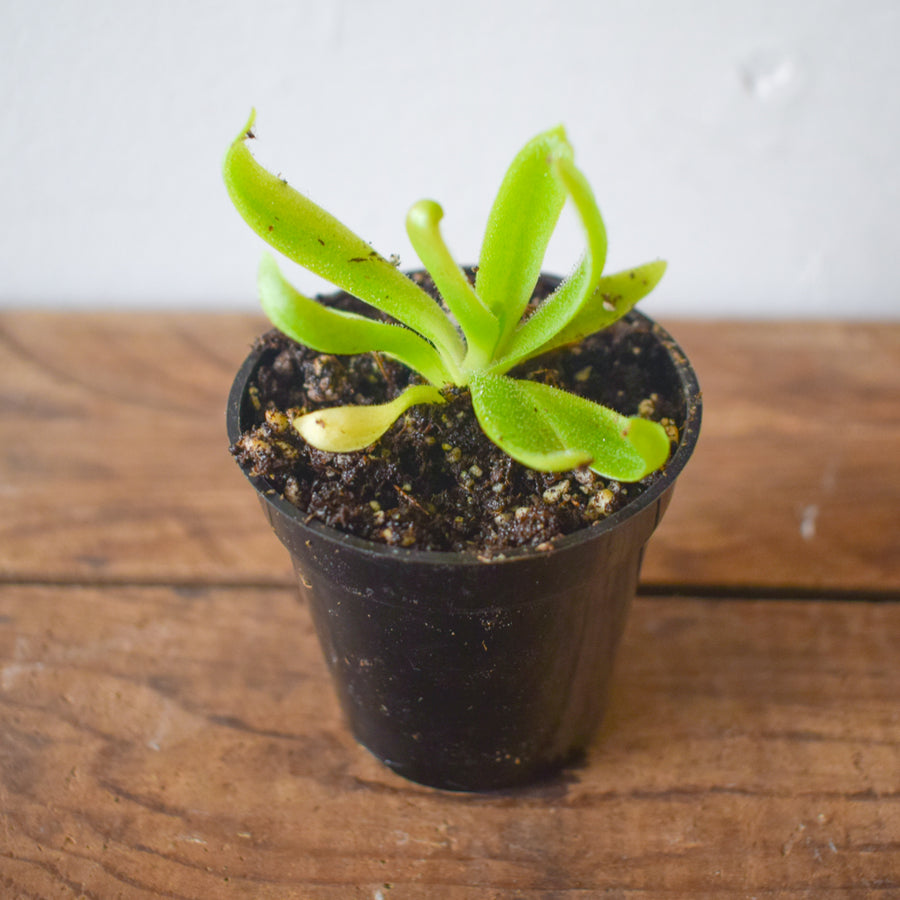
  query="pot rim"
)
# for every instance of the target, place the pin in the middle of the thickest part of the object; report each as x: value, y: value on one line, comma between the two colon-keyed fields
x: 689, y: 434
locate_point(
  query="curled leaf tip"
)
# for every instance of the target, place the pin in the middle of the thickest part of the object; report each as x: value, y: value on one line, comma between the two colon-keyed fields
x: 650, y: 440
x: 558, y: 144
x: 426, y: 212
x: 557, y: 133
x: 247, y: 130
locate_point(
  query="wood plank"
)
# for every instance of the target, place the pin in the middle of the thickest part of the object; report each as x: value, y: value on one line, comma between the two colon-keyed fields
x: 113, y: 467
x: 184, y: 743
x: 795, y: 481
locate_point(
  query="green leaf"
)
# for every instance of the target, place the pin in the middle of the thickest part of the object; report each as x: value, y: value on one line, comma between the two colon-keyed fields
x: 343, y: 429
x: 316, y: 240
x: 331, y: 330
x: 509, y: 417
x: 564, y: 304
x: 552, y: 430
x: 650, y: 440
x: 519, y: 227
x: 615, y: 296
x: 478, y: 323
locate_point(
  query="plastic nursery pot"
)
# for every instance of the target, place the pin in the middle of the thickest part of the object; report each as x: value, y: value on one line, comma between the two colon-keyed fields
x: 465, y: 674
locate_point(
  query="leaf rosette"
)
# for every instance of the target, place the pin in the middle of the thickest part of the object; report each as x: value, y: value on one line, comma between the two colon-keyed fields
x: 486, y: 334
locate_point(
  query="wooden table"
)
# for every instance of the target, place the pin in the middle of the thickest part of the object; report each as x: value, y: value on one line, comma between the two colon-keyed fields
x: 167, y: 728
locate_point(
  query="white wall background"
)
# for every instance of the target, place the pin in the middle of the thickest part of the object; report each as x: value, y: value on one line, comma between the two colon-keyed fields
x: 752, y: 145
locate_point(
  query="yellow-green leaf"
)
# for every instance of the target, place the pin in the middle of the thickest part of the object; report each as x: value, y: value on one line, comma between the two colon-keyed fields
x: 615, y: 296
x: 304, y: 232
x: 330, y: 330
x: 519, y: 227
x: 343, y: 429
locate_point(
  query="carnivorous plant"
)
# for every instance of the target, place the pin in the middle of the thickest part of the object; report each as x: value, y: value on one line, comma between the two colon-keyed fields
x: 538, y: 425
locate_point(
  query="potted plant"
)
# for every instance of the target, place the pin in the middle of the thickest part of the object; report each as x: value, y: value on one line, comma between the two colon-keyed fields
x: 466, y: 521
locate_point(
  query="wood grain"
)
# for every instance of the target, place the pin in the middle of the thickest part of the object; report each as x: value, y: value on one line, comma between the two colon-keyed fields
x: 166, y: 724
x: 795, y: 482
x: 114, y: 466
x: 185, y: 743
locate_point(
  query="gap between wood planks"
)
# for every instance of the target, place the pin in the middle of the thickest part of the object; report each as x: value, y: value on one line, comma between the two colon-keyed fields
x: 685, y: 591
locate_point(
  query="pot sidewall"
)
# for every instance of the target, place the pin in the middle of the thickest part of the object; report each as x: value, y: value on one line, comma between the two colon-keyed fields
x: 471, y: 676
x: 468, y: 674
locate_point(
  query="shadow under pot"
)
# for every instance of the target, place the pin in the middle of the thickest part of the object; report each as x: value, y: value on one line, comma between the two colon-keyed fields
x: 467, y: 674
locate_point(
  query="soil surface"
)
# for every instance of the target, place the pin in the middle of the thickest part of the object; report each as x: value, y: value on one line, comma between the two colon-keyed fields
x: 435, y: 481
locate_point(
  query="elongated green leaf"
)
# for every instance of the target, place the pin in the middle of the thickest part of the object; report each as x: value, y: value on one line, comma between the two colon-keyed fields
x: 564, y: 304
x: 615, y: 296
x: 331, y: 330
x: 519, y: 227
x: 312, y: 237
x: 343, y: 429
x: 479, y: 324
x: 542, y: 427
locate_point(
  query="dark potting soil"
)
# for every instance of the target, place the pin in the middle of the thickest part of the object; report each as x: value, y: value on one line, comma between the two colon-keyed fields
x: 434, y: 481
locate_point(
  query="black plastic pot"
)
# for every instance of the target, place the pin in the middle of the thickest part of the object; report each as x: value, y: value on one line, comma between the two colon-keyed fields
x: 464, y: 674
